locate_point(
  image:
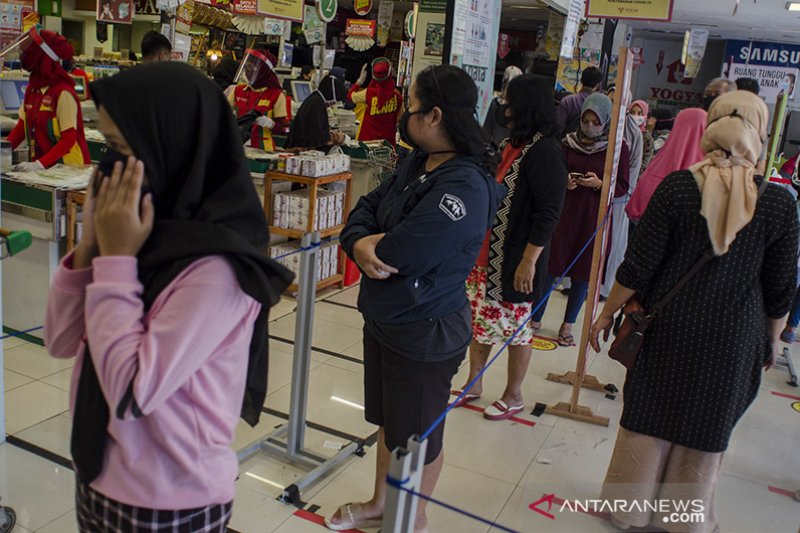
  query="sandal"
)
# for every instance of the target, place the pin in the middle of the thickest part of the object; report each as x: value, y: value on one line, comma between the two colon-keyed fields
x: 468, y: 397
x: 565, y: 341
x: 347, y: 516
x: 788, y: 335
x: 500, y: 410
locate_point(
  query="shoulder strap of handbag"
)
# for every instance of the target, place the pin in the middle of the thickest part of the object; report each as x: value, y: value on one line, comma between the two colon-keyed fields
x: 698, y: 266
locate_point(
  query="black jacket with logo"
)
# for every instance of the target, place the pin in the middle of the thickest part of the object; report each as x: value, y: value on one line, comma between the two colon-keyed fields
x: 435, y: 224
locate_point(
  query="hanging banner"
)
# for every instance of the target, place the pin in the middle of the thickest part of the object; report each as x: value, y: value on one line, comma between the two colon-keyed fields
x: 659, y: 10
x: 326, y: 9
x: 404, y: 65
x: 774, y: 65
x: 694, y: 48
x: 503, y: 45
x: 10, y: 23
x: 362, y: 7
x: 385, y: 12
x: 476, y: 27
x: 571, y: 25
x: 568, y: 75
x: 245, y: 7
x: 313, y: 27
x: 555, y: 32
x: 282, y: 9
x: 115, y: 11
x: 360, y: 28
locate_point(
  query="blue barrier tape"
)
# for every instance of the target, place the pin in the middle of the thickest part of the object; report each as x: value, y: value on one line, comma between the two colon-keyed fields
x: 516, y: 333
x: 399, y: 485
x: 317, y: 245
x: 20, y: 333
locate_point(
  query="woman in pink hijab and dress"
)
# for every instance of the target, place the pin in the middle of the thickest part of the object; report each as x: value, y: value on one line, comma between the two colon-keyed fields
x: 681, y: 151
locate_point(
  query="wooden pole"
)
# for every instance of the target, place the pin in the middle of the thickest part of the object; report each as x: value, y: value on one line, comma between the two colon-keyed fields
x: 777, y: 130
x: 578, y: 378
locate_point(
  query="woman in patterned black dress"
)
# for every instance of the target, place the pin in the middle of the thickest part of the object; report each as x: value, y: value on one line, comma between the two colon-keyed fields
x: 700, y: 366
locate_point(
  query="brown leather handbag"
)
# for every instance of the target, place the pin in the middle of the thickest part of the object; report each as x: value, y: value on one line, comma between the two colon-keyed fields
x: 630, y: 337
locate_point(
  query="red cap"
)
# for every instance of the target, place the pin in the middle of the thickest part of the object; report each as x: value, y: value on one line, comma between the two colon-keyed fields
x: 381, y: 69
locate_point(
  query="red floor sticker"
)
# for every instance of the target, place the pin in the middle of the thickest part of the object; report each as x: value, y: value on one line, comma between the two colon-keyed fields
x: 782, y: 492
x: 788, y: 396
x: 317, y: 519
x: 477, y: 409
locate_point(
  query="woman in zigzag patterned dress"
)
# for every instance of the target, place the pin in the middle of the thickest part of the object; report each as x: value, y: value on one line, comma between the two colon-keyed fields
x: 511, y: 268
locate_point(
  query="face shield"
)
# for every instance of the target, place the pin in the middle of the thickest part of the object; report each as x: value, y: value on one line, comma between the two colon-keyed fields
x: 18, y: 50
x: 255, y: 69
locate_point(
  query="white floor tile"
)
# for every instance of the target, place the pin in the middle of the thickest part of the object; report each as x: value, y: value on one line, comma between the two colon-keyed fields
x: 38, y: 490
x: 52, y: 434
x: 326, y: 335
x: 348, y: 296
x: 518, y: 515
x: 65, y: 524
x: 34, y: 361
x: 256, y: 512
x: 12, y: 342
x: 61, y: 380
x: 336, y: 314
x: 750, y: 447
x: 12, y: 380
x: 30, y: 404
x: 334, y: 397
x: 747, y: 507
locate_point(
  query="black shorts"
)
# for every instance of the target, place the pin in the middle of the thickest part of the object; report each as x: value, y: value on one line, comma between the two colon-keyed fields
x: 405, y: 396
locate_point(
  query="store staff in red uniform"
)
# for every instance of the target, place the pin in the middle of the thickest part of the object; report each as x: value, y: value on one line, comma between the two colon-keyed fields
x: 383, y: 103
x: 50, y: 118
x: 258, y: 91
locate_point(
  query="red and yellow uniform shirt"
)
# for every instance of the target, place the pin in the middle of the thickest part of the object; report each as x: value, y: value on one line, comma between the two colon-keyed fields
x: 378, y: 122
x: 269, y: 101
x: 47, y: 112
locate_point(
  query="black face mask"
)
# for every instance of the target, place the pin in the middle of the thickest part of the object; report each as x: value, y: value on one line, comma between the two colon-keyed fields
x: 403, y: 127
x: 707, y: 101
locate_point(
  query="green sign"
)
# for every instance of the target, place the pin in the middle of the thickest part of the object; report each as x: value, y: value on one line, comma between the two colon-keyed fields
x: 50, y: 8
x: 433, y: 6
x: 326, y: 9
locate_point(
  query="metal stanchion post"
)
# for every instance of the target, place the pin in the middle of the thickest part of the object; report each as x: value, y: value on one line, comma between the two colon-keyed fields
x: 287, y: 441
x: 400, y: 513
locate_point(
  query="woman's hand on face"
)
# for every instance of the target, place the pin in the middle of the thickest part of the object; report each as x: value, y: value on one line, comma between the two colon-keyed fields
x: 87, y: 249
x: 123, y: 220
x: 602, y: 324
x: 364, y: 254
x: 591, y: 180
x: 523, y: 276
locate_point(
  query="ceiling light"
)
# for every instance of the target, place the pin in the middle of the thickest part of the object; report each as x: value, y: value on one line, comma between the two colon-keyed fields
x: 793, y: 6
x: 524, y: 7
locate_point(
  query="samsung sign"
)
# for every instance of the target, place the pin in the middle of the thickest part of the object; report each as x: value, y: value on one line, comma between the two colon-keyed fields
x: 773, y: 65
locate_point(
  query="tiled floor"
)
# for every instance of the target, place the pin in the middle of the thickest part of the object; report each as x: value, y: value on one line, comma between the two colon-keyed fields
x: 494, y: 470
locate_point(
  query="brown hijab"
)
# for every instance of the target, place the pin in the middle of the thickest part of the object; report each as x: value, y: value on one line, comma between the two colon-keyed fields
x: 736, y: 132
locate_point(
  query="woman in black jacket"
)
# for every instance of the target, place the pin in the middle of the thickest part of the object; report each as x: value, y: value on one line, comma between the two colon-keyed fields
x: 416, y: 238
x: 511, y: 271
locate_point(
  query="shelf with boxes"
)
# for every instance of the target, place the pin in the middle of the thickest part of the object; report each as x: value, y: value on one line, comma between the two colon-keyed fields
x: 316, y: 204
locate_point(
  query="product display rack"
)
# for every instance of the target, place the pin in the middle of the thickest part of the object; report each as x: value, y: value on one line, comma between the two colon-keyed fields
x: 74, y: 199
x: 313, y: 185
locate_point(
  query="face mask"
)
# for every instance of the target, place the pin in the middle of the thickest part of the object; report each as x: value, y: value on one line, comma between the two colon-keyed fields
x: 591, y: 131
x: 403, y: 127
x: 639, y: 120
x: 707, y: 101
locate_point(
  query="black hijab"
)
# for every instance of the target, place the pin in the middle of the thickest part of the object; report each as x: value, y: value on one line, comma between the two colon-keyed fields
x: 180, y: 125
x: 225, y: 72
x: 311, y: 127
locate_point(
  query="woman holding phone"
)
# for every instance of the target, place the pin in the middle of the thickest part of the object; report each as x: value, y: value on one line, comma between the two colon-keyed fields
x: 585, y: 151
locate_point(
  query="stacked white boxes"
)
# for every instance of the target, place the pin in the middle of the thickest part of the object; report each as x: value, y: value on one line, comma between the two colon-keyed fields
x: 317, y: 164
x: 327, y: 261
x: 292, y: 209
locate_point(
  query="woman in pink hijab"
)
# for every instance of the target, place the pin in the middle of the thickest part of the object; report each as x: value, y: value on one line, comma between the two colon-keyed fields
x: 681, y: 151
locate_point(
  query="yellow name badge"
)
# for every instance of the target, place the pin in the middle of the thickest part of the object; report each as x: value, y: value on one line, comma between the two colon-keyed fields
x: 264, y: 103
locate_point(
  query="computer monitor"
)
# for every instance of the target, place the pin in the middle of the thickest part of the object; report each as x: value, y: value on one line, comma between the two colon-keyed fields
x: 301, y: 90
x: 12, y: 94
x: 80, y: 87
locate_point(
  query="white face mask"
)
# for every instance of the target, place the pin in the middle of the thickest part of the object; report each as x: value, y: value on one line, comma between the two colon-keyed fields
x: 639, y: 120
